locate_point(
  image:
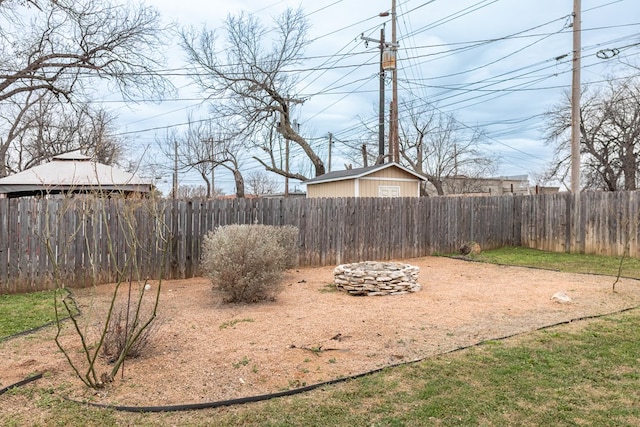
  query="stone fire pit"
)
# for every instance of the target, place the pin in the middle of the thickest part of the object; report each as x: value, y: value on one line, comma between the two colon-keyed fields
x: 376, y: 278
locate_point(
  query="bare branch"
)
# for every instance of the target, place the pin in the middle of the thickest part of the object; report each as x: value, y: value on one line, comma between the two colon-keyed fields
x: 438, y: 146
x: 59, y: 51
x: 610, y: 135
x: 252, y: 77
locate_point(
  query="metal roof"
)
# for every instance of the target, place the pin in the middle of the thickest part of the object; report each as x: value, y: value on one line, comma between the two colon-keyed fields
x: 72, y: 172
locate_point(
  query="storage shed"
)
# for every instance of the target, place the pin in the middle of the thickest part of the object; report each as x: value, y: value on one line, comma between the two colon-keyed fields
x: 384, y: 180
x: 72, y: 173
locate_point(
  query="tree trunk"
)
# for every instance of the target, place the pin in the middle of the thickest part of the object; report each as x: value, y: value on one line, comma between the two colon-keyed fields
x: 629, y: 169
x: 436, y: 183
x: 287, y: 132
x: 237, y: 176
x: 3, y: 159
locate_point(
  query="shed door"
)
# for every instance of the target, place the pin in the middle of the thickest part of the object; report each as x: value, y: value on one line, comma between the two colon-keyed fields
x: 388, y: 191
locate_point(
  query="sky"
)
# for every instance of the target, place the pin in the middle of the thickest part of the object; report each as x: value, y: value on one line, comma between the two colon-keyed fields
x: 494, y: 64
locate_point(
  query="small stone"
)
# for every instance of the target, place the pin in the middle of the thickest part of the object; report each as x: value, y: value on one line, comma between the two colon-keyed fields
x: 561, y: 297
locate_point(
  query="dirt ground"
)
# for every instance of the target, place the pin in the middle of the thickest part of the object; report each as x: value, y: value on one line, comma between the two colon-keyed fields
x: 207, y: 351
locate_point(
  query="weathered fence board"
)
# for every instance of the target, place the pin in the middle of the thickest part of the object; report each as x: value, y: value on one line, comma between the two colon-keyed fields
x: 105, y: 239
x: 4, y: 244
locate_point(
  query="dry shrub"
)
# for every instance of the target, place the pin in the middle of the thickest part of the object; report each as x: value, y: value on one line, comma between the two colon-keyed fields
x: 287, y: 237
x: 122, y: 328
x: 246, y: 262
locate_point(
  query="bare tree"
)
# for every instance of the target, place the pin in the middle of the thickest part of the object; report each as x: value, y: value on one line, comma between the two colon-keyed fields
x: 43, y: 127
x: 363, y: 149
x: 193, y: 149
x: 259, y: 182
x: 18, y: 122
x: 69, y: 40
x: 609, y: 135
x: 438, y: 146
x: 232, y: 161
x: 204, y: 146
x: 60, y: 47
x: 197, y: 192
x: 253, y: 79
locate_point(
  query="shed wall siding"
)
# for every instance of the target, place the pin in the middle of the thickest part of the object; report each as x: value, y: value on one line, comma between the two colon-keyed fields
x: 369, y: 187
x: 332, y: 189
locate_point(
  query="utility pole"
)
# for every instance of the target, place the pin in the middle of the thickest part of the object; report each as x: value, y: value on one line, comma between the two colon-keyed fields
x: 330, y: 144
x: 455, y: 160
x: 286, y: 160
x: 575, y: 125
x: 296, y: 127
x: 381, y: 102
x: 175, y: 168
x: 575, y: 100
x: 381, y: 117
x: 388, y: 61
x: 213, y: 179
x: 394, y: 87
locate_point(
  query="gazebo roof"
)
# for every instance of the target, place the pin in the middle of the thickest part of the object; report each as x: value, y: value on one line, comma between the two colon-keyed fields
x: 71, y: 172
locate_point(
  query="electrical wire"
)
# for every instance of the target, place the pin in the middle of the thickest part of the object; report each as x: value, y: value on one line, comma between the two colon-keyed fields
x: 413, y: 65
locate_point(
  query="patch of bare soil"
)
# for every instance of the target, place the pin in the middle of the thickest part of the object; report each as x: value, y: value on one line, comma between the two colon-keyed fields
x: 208, y: 351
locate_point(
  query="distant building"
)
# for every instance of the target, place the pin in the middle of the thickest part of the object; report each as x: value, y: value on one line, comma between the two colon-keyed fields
x: 72, y: 173
x: 539, y: 189
x: 494, y: 186
x: 385, y: 180
x: 233, y: 196
x: 291, y: 194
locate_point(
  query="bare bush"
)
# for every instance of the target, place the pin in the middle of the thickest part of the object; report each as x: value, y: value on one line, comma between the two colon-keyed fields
x: 117, y: 223
x: 246, y: 262
x: 123, y: 325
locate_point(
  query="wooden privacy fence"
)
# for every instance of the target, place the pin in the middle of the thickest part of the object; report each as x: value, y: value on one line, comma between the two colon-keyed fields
x: 600, y: 223
x: 82, y: 241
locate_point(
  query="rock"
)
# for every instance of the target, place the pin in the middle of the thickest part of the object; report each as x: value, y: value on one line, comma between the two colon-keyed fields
x: 470, y: 248
x: 377, y: 278
x: 561, y: 297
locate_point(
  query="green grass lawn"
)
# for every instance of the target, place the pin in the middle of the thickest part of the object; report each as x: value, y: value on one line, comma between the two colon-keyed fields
x: 573, y: 263
x: 584, y: 373
x: 22, y: 312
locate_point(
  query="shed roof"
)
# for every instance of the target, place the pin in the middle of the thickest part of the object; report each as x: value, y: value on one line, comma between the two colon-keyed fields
x: 359, y: 173
x: 71, y: 172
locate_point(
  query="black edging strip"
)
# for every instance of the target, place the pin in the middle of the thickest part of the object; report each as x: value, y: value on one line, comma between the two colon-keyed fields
x: 20, y: 383
x: 30, y: 331
x: 238, y: 401
x: 262, y: 397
